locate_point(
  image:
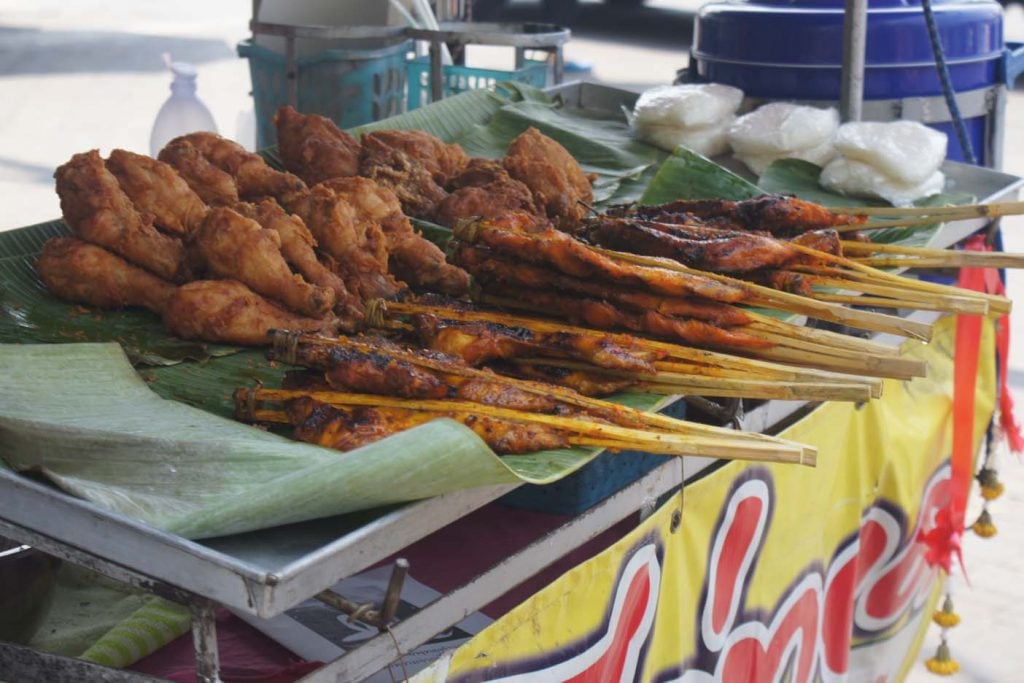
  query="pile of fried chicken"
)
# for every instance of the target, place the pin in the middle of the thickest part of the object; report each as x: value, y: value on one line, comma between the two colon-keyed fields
x: 225, y: 248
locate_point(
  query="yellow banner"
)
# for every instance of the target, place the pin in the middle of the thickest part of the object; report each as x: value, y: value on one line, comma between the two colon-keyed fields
x: 776, y: 571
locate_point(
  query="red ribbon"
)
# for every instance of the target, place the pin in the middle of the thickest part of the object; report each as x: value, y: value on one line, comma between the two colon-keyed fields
x: 944, y: 539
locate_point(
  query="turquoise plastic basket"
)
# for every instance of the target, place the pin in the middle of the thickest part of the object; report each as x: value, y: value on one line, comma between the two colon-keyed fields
x: 349, y: 86
x: 462, y: 78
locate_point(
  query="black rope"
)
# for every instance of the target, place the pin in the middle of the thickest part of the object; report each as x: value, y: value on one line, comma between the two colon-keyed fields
x: 947, y: 84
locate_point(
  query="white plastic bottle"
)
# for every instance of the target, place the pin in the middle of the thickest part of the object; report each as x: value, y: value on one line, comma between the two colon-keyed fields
x: 183, y: 112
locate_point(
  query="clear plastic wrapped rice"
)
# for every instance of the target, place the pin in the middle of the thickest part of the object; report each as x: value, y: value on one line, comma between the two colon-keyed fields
x: 779, y: 128
x: 690, y: 105
x: 907, y: 151
x: 820, y: 155
x: 707, y: 140
x: 858, y: 179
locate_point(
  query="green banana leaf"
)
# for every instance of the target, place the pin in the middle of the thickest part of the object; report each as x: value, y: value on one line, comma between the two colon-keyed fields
x: 28, y: 313
x: 82, y: 416
x: 688, y: 175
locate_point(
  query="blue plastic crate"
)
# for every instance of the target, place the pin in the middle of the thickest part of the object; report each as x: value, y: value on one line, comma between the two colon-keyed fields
x: 349, y: 86
x: 600, y: 478
x: 458, y: 79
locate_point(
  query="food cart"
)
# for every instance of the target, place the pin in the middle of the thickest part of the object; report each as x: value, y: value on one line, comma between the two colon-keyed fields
x: 787, y: 576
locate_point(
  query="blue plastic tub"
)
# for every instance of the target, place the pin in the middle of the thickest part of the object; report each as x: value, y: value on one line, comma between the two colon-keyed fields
x: 600, y: 478
x: 349, y: 86
x: 458, y: 78
x: 793, y: 50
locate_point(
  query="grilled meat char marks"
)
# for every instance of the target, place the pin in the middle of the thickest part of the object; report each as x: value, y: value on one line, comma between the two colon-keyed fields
x: 346, y: 429
x: 488, y: 269
x: 479, y: 342
x: 557, y: 249
x: 740, y: 253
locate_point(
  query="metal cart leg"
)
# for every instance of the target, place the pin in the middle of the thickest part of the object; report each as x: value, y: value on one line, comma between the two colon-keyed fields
x: 204, y: 638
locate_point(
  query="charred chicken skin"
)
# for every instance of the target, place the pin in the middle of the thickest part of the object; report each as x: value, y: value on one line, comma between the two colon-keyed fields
x: 488, y: 270
x: 559, y: 186
x: 559, y: 250
x: 780, y: 215
x: 479, y: 342
x: 214, y: 186
x: 313, y: 147
x: 736, y: 254
x: 346, y: 429
x: 484, y: 189
x: 78, y: 271
x: 603, y: 315
x: 372, y: 369
x: 98, y: 211
x: 227, y: 311
x: 586, y: 383
x: 253, y: 177
x: 411, y: 257
x: 156, y: 188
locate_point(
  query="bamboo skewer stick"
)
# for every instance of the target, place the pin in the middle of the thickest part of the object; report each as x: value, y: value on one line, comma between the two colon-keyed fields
x: 823, y: 377
x: 603, y: 435
x: 949, y: 258
x: 880, y: 302
x: 687, y: 353
x: 916, y: 223
x: 676, y: 383
x: 965, y: 211
x: 954, y: 260
x: 903, y: 298
x: 997, y: 304
x: 895, y: 368
x: 771, y: 298
x: 825, y: 337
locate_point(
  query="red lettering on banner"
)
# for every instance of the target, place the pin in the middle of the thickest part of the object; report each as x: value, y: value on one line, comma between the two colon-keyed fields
x: 873, y: 582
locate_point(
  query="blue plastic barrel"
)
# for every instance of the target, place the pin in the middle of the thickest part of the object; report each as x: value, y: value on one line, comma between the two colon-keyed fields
x: 777, y: 50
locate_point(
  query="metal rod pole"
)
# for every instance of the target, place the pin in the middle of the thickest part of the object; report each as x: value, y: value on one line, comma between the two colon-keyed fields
x: 394, y: 592
x: 204, y: 639
x: 436, y: 72
x: 291, y: 73
x: 855, y: 34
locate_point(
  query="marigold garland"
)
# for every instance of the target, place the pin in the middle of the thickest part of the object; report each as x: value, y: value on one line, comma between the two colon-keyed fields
x: 942, y: 663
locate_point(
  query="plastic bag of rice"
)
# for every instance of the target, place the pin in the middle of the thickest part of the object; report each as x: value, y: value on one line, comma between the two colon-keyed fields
x: 857, y: 179
x: 907, y: 151
x: 696, y: 115
x: 782, y: 130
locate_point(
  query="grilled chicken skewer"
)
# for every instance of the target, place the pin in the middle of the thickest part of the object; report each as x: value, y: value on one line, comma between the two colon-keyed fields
x: 584, y: 432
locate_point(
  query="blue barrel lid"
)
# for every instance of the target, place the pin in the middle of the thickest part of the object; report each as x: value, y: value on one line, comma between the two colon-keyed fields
x: 810, y: 32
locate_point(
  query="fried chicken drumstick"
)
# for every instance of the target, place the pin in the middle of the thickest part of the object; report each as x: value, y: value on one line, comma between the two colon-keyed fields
x: 298, y: 248
x: 253, y: 177
x: 228, y: 311
x: 98, y: 211
x: 559, y: 185
x: 233, y: 246
x: 411, y: 257
x: 157, y: 189
x: 78, y: 271
x: 313, y: 147
x: 214, y: 186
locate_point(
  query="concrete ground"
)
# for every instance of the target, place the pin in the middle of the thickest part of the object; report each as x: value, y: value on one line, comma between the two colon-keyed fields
x: 75, y: 76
